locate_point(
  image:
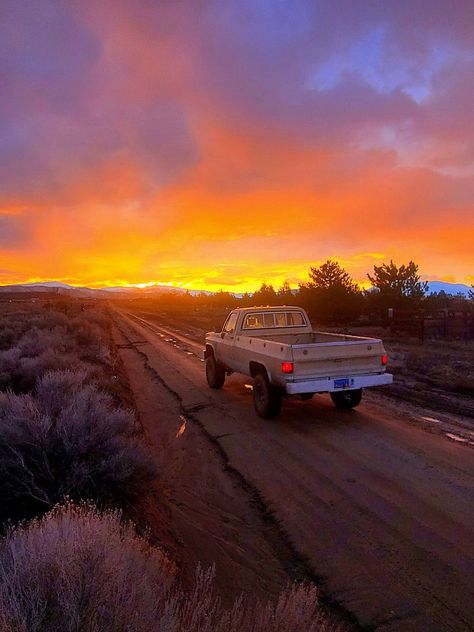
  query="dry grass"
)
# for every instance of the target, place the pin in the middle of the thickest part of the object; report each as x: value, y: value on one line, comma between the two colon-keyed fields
x: 80, y: 570
x: 436, y: 374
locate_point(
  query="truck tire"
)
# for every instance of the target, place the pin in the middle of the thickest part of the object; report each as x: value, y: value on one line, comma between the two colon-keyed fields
x: 347, y: 399
x: 266, y: 398
x: 215, y: 372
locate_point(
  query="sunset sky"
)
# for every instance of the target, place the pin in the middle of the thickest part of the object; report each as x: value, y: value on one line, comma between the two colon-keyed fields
x: 218, y: 144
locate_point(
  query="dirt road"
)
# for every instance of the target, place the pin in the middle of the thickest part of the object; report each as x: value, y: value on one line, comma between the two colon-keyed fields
x: 381, y: 511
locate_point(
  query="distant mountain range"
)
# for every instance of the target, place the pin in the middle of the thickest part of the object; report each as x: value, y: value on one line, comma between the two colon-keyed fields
x: 107, y: 292
x: 449, y: 288
x: 57, y: 287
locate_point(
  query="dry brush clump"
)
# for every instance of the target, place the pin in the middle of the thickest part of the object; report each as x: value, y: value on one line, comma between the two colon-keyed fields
x: 78, y: 569
x: 37, y: 340
x: 67, y: 439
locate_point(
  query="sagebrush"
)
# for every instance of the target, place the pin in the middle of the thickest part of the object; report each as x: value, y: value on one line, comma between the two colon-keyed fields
x: 79, y: 569
x: 67, y: 439
x: 35, y: 340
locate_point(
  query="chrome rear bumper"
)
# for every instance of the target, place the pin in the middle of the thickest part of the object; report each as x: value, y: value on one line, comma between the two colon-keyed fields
x: 329, y: 384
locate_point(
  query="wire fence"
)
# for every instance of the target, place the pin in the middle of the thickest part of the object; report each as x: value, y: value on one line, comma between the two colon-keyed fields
x: 446, y: 323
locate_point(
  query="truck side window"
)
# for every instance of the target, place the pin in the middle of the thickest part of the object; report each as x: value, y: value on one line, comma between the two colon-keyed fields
x: 229, y: 326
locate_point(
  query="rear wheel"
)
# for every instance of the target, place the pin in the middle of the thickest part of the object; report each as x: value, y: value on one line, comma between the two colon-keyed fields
x: 347, y: 399
x: 266, y: 398
x: 215, y: 373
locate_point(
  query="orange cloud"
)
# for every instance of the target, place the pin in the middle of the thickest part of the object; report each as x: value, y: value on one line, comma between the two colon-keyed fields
x: 201, y: 146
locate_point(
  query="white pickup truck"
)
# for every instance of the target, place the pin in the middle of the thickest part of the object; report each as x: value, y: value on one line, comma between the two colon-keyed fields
x: 279, y: 349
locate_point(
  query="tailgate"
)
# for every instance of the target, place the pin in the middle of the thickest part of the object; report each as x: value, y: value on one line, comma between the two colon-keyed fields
x: 328, y: 359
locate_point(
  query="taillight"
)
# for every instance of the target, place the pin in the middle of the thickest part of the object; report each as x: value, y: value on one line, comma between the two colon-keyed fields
x: 287, y: 367
x: 384, y: 359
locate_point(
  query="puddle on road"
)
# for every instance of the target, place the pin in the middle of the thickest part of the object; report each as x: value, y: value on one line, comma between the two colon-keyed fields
x: 182, y: 428
x: 435, y: 421
x: 457, y: 438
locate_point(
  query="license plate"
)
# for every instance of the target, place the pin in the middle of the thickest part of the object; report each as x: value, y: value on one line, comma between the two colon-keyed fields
x: 342, y: 382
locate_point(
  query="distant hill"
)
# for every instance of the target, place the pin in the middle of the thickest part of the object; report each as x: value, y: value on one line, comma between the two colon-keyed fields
x: 64, y: 289
x: 449, y: 288
x: 51, y: 287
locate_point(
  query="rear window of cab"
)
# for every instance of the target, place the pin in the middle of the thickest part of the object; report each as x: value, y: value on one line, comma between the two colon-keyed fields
x: 273, y: 320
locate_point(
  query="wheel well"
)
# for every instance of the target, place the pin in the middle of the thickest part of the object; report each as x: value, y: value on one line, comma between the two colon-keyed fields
x: 255, y: 368
x: 209, y: 351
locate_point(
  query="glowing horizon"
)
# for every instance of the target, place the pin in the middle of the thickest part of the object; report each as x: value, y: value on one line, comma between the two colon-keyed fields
x: 250, y: 287
x: 219, y: 145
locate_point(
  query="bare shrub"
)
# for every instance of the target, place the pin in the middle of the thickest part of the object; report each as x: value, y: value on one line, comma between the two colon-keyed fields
x: 97, y: 316
x: 9, y: 359
x: 77, y: 569
x: 7, y: 335
x: 86, y: 333
x: 20, y: 372
x: 36, y: 341
x: 14, y: 324
x: 47, y: 340
x: 89, y: 330
x: 45, y: 319
x: 67, y: 440
x: 30, y: 369
x: 296, y: 610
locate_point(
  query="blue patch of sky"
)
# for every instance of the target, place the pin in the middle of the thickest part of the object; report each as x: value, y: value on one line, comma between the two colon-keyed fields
x: 368, y: 59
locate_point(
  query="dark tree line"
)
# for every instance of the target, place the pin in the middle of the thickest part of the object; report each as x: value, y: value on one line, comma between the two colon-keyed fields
x: 331, y: 296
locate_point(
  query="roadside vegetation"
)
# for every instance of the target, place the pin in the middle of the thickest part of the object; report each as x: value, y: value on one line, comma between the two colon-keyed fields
x: 79, y: 569
x: 72, y: 465
x: 63, y: 432
x: 36, y: 338
x: 67, y: 439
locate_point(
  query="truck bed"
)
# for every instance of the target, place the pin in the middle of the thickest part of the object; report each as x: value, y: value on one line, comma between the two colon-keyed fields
x: 315, y: 354
x: 315, y: 337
